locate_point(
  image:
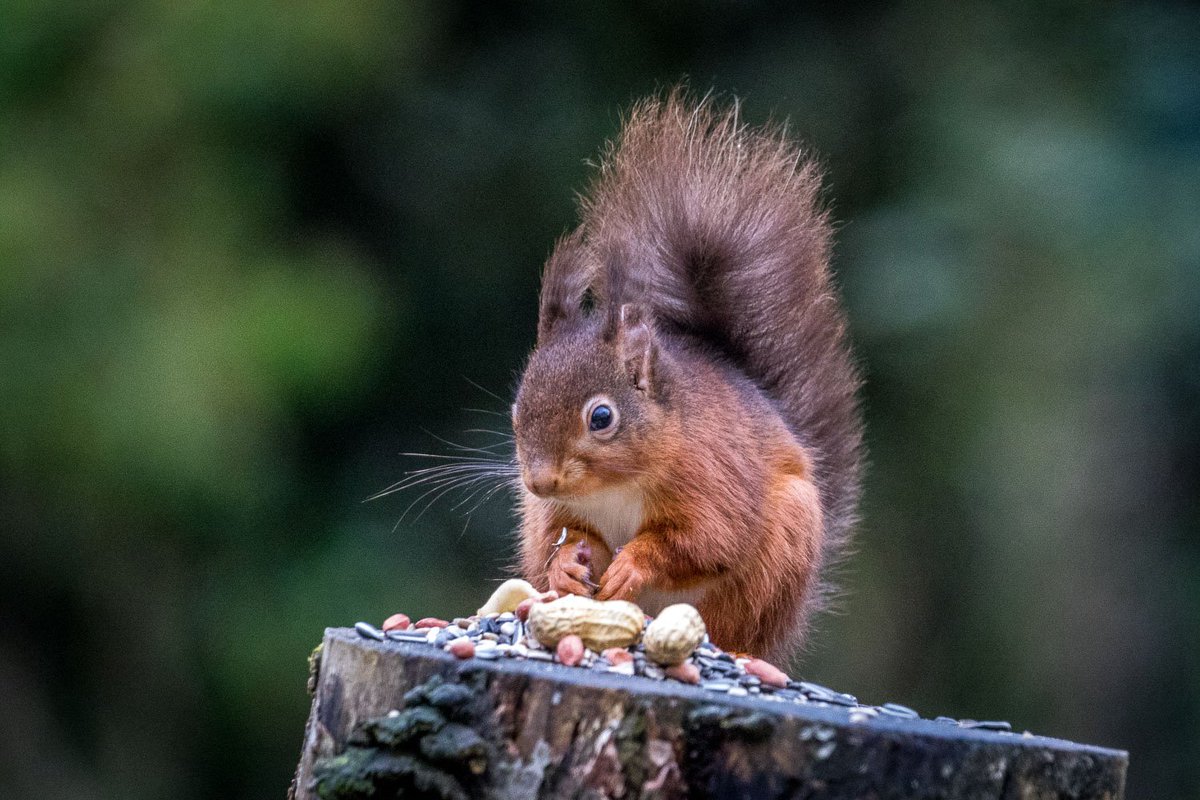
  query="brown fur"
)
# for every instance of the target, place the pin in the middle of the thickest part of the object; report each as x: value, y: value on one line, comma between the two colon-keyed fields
x: 717, y: 336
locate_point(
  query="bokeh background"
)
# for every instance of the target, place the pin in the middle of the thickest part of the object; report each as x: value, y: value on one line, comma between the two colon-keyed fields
x: 252, y: 253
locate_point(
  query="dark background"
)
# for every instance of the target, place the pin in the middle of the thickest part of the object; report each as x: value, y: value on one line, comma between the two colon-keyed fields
x: 250, y: 254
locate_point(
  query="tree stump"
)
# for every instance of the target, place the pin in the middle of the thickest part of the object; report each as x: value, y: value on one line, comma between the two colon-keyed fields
x: 391, y: 719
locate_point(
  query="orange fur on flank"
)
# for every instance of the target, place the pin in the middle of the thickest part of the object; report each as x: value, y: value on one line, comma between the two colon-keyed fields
x: 695, y: 301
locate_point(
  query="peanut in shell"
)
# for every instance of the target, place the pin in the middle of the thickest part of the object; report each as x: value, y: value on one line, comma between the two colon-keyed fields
x: 674, y: 634
x: 600, y: 624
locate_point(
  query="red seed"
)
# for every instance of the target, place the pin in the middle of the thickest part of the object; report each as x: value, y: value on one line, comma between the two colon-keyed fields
x: 767, y: 673
x: 431, y: 622
x: 687, y: 672
x: 617, y: 655
x: 462, y: 648
x: 397, y: 622
x: 570, y: 650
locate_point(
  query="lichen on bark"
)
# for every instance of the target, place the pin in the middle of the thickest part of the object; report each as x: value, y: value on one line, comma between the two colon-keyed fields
x: 417, y: 750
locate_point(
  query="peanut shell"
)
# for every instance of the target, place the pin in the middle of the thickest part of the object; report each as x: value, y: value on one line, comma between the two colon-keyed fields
x: 507, y: 597
x: 674, y: 634
x: 601, y: 625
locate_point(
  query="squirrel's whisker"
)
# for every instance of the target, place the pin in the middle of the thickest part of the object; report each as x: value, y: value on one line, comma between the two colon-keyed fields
x: 470, y: 459
x: 488, y: 411
x: 437, y: 490
x: 485, y: 391
x: 460, y: 447
x: 489, y: 495
x: 475, y: 492
x: 493, y: 433
x: 440, y: 473
x: 478, y: 504
x: 441, y: 494
x: 469, y: 467
x: 441, y: 469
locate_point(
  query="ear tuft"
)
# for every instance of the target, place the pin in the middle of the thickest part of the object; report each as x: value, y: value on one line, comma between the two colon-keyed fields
x: 566, y: 284
x: 637, y: 345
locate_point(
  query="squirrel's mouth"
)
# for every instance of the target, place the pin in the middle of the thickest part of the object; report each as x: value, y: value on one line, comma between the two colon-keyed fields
x: 566, y: 495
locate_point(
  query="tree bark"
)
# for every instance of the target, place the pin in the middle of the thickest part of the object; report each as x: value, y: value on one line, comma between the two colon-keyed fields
x: 512, y: 729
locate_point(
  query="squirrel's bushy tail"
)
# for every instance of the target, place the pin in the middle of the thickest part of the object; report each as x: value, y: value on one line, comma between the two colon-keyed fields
x: 721, y: 233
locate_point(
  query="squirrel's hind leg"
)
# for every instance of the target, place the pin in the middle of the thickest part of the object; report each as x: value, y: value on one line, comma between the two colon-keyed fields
x: 762, y: 611
x: 796, y: 526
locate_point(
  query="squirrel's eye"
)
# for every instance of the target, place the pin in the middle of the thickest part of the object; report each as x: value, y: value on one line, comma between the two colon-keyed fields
x: 601, y: 418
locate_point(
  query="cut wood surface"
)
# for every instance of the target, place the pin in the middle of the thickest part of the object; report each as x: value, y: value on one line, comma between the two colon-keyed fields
x: 391, y: 719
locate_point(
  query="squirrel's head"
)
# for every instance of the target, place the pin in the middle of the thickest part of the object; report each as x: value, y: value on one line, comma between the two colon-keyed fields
x: 590, y: 405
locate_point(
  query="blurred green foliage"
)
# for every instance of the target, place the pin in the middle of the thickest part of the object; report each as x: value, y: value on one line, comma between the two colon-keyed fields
x: 249, y: 255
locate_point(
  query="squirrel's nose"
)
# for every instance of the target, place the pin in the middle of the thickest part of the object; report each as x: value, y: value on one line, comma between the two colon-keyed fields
x: 542, y: 479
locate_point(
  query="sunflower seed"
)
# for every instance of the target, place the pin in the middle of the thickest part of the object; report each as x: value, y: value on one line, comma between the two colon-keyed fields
x: 369, y: 631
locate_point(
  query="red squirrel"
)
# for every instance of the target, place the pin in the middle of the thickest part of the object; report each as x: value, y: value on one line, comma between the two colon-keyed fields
x: 687, y: 427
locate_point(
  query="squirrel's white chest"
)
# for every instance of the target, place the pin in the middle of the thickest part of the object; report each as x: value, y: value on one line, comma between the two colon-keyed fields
x: 616, y: 514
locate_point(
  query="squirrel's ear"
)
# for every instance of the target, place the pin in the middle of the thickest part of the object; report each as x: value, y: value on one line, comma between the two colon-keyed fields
x: 636, y: 344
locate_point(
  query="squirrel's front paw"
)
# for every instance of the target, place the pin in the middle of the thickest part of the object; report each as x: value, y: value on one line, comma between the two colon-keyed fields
x: 623, y: 580
x: 570, y: 570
